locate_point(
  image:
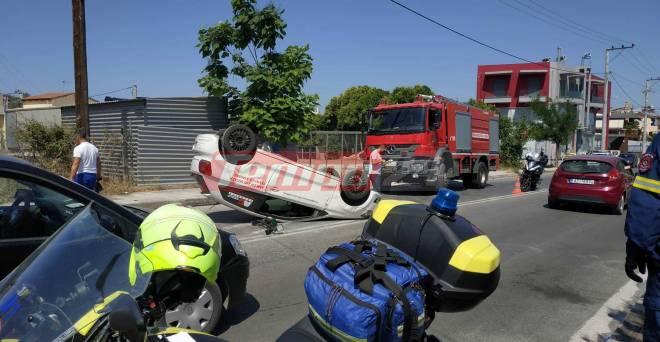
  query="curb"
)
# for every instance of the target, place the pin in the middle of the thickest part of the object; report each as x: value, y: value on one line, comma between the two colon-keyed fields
x: 193, y: 202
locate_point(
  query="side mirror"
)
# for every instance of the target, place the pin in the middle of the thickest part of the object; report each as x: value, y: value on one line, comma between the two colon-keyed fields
x: 127, y: 320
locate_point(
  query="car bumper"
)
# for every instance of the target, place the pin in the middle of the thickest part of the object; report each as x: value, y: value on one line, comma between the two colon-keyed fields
x: 234, y: 276
x: 608, y: 196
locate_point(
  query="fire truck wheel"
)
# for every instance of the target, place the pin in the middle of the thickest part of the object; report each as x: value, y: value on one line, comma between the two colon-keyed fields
x: 481, y: 178
x: 355, y: 187
x: 238, y: 144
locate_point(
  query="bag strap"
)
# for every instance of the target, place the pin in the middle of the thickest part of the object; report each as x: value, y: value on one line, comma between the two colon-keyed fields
x: 366, y: 279
x: 346, y: 255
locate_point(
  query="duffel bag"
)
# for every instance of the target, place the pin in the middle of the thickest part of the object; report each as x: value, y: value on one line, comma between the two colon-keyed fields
x: 366, y: 291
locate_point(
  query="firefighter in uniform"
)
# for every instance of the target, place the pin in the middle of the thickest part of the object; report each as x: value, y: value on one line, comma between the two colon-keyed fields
x: 643, y: 232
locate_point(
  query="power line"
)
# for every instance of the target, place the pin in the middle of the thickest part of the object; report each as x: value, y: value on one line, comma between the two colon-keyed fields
x: 636, y: 66
x: 628, y: 80
x: 648, y: 61
x: 476, y: 40
x: 568, y: 27
x: 624, y: 91
x: 562, y: 17
x: 650, y: 70
x: 112, y: 92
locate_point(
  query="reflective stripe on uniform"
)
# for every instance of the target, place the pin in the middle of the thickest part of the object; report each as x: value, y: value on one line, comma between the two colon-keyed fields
x: 647, y: 184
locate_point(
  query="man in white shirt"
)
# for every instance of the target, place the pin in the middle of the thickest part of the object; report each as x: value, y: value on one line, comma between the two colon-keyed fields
x: 375, y: 164
x: 86, y: 167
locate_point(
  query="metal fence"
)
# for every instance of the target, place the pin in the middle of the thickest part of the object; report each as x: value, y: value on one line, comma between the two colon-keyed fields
x: 149, y: 140
x: 331, y: 145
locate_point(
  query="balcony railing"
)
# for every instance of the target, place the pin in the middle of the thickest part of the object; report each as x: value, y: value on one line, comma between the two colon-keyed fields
x: 597, y: 99
x: 571, y: 94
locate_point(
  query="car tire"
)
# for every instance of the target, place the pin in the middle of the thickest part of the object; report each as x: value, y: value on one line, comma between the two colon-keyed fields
x: 202, y: 315
x: 618, y: 210
x: 237, y: 144
x: 553, y: 204
x: 481, y: 178
x: 355, y: 187
x: 329, y: 170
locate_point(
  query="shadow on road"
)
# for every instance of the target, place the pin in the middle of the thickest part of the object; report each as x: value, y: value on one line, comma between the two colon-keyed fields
x: 418, y: 190
x: 584, y: 208
x: 245, y: 310
x: 230, y: 216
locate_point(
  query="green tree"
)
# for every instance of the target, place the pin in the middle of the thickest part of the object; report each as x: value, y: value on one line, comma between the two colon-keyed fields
x: 50, y: 147
x: 513, y: 136
x: 631, y: 124
x: 482, y: 105
x: 273, y: 101
x: 408, y: 94
x: 555, y: 122
x: 347, y: 108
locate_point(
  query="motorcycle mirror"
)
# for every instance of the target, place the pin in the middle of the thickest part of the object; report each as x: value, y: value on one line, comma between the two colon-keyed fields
x: 126, y: 319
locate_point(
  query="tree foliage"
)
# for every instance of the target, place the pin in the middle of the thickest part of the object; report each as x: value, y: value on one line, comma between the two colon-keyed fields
x: 50, y: 147
x: 273, y: 101
x: 555, y: 122
x: 408, y: 94
x: 513, y: 136
x: 482, y: 105
x: 346, y: 110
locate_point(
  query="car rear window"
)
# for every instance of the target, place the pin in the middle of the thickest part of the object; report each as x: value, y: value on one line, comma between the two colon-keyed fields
x: 585, y: 166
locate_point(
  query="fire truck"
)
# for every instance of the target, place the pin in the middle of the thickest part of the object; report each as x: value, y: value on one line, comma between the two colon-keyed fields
x: 432, y: 140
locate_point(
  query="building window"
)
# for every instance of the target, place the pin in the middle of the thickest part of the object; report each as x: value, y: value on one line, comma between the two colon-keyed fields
x: 534, y: 86
x: 499, y: 87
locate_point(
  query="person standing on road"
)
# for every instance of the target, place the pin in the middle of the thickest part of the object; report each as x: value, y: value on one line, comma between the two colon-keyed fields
x: 643, y: 232
x: 86, y: 166
x: 375, y: 164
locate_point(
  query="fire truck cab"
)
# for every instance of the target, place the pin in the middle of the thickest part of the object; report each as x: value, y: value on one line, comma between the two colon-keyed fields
x: 432, y: 140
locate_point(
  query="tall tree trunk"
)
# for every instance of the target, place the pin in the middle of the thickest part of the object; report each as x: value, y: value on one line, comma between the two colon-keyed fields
x: 557, y: 152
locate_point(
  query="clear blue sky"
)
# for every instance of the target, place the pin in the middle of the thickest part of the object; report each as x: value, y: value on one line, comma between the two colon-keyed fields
x: 370, y: 42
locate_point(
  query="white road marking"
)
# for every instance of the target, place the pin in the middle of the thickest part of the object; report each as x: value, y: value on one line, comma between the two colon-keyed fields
x: 600, y: 323
x: 258, y: 235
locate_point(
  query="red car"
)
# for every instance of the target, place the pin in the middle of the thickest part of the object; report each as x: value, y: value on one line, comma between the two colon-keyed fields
x: 591, y: 179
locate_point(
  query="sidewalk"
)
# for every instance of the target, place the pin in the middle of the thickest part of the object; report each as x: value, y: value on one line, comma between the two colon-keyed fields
x: 154, y: 199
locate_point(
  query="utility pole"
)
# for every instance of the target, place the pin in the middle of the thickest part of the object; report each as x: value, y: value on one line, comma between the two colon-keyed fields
x: 606, y: 108
x: 80, y: 65
x: 646, y: 91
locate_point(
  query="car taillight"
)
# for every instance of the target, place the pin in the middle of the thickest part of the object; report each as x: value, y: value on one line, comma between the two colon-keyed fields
x: 613, y: 175
x: 205, y: 168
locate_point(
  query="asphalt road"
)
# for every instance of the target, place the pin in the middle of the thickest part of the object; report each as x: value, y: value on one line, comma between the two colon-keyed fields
x: 558, y: 268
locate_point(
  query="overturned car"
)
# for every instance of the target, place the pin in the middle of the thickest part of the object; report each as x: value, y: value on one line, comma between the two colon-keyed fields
x: 230, y: 168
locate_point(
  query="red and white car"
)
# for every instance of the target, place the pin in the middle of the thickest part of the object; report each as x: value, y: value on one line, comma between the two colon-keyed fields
x: 229, y: 167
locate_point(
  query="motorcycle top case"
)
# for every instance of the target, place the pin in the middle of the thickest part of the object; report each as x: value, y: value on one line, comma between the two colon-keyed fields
x: 358, y: 291
x: 463, y: 263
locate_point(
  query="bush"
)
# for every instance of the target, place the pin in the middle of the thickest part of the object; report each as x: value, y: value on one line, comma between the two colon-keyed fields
x: 49, y: 147
x: 513, y: 136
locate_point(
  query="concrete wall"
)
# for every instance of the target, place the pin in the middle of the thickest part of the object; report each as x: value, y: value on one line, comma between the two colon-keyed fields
x: 14, y: 117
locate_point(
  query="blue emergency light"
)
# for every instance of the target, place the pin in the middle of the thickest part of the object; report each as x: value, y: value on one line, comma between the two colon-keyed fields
x: 445, y: 202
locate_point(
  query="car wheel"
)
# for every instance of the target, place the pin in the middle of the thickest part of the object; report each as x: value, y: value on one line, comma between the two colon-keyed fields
x: 355, y: 187
x: 329, y: 170
x: 238, y: 144
x: 481, y: 177
x: 202, y: 315
x: 618, y: 210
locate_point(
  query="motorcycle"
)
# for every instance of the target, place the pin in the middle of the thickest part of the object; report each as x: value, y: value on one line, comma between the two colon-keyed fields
x: 85, y: 284
x: 531, y: 173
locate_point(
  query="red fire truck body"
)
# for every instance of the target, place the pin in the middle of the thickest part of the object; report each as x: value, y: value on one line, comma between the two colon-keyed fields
x: 434, y: 139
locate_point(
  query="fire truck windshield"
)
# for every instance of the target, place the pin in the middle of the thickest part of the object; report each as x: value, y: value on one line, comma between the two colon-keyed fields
x: 402, y: 120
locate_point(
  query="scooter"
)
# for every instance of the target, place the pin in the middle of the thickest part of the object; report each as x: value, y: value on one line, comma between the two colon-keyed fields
x: 85, y: 284
x: 531, y: 173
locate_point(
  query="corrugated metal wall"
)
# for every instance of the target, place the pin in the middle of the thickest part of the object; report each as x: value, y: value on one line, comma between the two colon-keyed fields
x: 13, y: 117
x: 106, y: 120
x: 186, y: 112
x: 164, y: 154
x: 158, y: 134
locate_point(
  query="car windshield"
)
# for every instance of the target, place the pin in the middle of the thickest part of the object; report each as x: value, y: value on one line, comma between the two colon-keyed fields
x: 585, y: 166
x: 397, y: 120
x: 50, y: 295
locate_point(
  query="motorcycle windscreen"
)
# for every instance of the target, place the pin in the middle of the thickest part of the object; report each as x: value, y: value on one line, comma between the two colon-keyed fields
x: 62, y: 289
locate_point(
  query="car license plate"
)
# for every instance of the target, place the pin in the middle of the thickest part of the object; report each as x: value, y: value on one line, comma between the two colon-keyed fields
x: 581, y: 181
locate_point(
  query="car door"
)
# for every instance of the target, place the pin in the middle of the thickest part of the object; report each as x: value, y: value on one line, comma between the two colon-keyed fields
x: 29, y: 214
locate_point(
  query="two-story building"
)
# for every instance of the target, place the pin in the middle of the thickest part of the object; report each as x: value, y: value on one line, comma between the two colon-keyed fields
x: 513, y: 87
